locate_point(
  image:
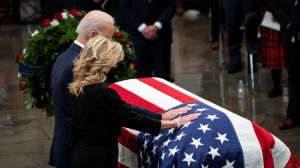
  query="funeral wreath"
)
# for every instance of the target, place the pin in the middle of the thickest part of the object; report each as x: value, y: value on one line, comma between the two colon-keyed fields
x: 45, y: 44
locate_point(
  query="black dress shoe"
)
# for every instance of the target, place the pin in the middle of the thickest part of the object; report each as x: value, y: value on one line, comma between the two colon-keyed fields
x: 275, y: 92
x: 215, y: 45
x: 289, y: 123
x: 234, y: 69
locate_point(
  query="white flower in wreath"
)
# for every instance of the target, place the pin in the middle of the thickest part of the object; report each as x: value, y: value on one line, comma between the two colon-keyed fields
x: 34, y: 33
x: 19, y: 75
x: 64, y: 15
x: 54, y: 22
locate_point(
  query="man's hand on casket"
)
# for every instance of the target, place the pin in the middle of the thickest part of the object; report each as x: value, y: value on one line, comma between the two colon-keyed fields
x: 171, y: 114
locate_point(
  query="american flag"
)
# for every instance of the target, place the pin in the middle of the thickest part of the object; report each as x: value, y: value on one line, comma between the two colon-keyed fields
x: 218, y: 138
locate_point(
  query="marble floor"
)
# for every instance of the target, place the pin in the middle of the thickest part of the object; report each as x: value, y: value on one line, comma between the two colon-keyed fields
x: 25, y: 135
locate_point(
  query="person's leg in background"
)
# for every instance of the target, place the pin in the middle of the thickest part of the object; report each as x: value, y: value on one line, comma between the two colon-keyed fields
x: 293, y: 110
x: 272, y: 57
x: 252, y: 21
x: 215, y: 23
x: 234, y: 35
x: 276, y: 78
x: 162, y: 61
x: 144, y: 61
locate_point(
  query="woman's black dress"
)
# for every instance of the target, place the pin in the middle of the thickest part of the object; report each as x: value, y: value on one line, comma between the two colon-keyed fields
x: 97, y: 117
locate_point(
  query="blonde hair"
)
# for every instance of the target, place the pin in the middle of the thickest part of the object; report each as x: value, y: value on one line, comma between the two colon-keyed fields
x: 96, y: 59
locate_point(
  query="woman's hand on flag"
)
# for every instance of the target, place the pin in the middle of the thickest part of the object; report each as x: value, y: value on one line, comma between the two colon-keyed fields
x: 174, y: 113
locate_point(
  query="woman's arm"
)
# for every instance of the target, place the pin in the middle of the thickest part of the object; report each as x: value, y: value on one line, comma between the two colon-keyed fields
x: 168, y: 115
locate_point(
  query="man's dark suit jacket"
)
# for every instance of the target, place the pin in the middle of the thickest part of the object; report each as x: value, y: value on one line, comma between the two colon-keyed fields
x: 137, y: 12
x: 62, y: 149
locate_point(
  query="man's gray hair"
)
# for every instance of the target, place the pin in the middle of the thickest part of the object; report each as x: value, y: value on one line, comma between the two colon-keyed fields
x: 94, y: 21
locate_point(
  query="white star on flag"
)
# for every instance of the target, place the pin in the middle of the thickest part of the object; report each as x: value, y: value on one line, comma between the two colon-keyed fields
x: 222, y: 138
x: 188, y: 158
x: 178, y: 137
x: 141, y: 155
x: 228, y: 164
x: 173, y: 151
x: 148, y: 160
x: 154, y: 150
x: 166, y: 143
x: 171, y: 131
x: 191, y: 105
x: 157, y: 137
x: 204, y: 128
x: 145, y: 144
x: 213, y: 152
x: 212, y: 117
x: 196, y: 142
x: 201, y: 109
x: 202, y: 166
x: 187, y: 124
x: 163, y: 155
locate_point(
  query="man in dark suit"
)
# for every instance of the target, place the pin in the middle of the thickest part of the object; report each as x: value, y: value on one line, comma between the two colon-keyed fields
x: 94, y: 22
x: 149, y: 26
x: 286, y: 13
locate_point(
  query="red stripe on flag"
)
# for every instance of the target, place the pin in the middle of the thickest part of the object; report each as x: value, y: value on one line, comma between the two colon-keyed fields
x: 267, y: 143
x: 121, y: 166
x: 168, y: 90
x: 129, y: 140
x: 134, y: 99
x: 292, y: 163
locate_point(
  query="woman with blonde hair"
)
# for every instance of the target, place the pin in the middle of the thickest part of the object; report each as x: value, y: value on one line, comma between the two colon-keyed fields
x: 98, y: 113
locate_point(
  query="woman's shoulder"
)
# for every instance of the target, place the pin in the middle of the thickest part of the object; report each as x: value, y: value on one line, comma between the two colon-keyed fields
x: 98, y: 88
x: 95, y: 87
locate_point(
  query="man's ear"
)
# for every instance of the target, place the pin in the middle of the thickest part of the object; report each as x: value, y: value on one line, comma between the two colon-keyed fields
x: 92, y: 34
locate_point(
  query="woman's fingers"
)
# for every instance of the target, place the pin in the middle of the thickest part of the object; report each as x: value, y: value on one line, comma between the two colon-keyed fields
x: 169, y: 115
x: 183, y: 110
x: 185, y: 119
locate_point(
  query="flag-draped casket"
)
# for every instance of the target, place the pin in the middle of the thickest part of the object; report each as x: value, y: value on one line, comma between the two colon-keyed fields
x: 218, y: 138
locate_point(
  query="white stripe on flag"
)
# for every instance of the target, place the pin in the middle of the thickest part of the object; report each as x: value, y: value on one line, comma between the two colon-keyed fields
x: 149, y: 93
x: 281, y: 153
x: 127, y: 157
x: 242, y: 126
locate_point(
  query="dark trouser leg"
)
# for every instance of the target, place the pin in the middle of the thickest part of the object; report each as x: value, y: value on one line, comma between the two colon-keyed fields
x: 232, y: 21
x: 293, y: 110
x: 252, y: 21
x: 276, y: 78
x: 215, y: 20
x: 144, y: 61
x: 161, y: 57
